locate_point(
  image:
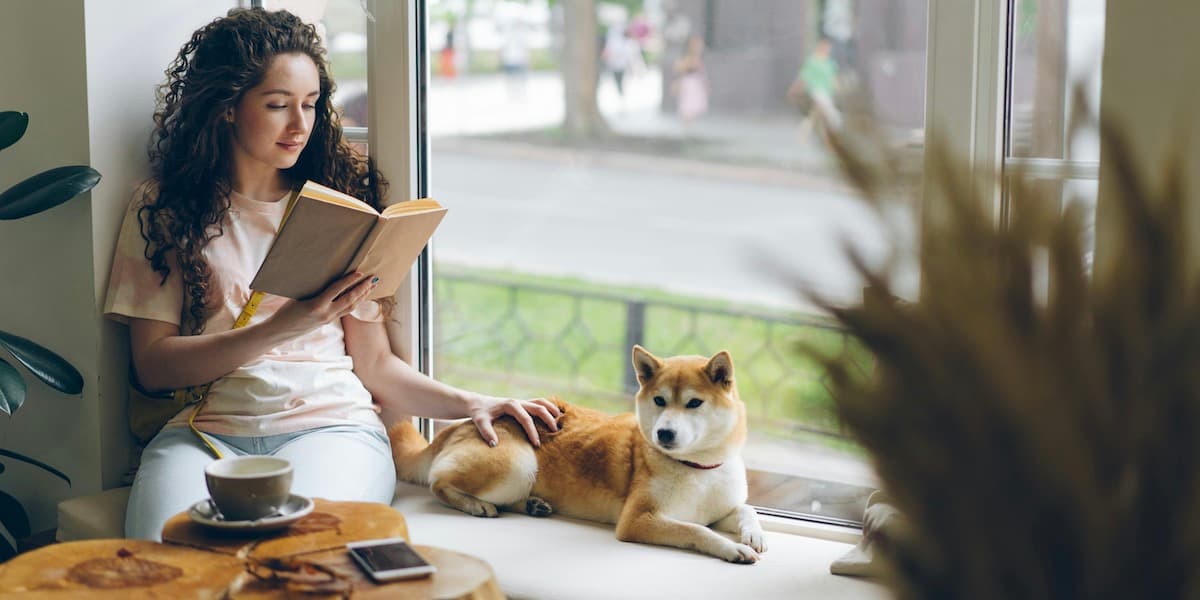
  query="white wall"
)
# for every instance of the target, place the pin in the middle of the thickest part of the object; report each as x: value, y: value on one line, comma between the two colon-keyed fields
x: 86, y: 72
x: 1151, y: 86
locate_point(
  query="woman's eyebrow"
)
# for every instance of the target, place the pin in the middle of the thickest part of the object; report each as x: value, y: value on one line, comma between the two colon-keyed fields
x: 288, y: 93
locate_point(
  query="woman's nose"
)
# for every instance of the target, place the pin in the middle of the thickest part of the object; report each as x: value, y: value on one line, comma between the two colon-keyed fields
x: 298, y: 123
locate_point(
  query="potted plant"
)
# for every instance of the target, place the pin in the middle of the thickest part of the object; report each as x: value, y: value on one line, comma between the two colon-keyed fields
x: 31, y: 196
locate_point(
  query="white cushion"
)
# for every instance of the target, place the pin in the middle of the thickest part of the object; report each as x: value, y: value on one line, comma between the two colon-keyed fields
x: 567, y: 559
x: 92, y: 517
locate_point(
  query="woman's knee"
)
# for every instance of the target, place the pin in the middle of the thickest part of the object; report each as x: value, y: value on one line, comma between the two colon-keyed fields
x: 342, y: 464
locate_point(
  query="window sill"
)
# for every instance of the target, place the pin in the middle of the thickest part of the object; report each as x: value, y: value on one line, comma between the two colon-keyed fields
x: 568, y: 559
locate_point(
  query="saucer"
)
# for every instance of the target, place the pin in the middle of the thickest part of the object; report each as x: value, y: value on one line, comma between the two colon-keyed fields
x: 294, y: 509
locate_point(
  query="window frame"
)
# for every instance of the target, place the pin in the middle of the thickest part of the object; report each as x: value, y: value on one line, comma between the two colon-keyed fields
x: 967, y: 74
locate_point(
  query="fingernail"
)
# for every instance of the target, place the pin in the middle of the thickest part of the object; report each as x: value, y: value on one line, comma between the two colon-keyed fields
x: 374, y: 280
x: 492, y: 443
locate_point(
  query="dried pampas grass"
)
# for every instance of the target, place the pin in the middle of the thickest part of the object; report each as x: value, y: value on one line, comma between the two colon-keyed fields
x: 1038, y: 446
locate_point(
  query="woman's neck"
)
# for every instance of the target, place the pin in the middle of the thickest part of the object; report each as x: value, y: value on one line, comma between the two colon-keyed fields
x: 262, y: 185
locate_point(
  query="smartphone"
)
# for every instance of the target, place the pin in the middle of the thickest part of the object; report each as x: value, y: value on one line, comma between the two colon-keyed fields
x: 389, y: 559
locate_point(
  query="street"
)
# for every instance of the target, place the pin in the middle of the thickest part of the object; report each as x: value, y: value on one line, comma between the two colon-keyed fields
x: 668, y: 222
x: 697, y: 235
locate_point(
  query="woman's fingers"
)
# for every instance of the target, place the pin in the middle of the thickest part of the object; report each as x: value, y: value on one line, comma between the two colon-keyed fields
x: 524, y: 420
x: 540, y: 411
x: 550, y: 406
x: 334, y: 291
x: 484, y: 424
x: 345, y: 305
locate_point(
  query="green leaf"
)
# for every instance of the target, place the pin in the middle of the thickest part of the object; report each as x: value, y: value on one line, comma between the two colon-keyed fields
x: 51, y: 368
x: 46, y: 190
x: 13, y: 517
x: 37, y: 463
x: 12, y: 127
x: 12, y: 388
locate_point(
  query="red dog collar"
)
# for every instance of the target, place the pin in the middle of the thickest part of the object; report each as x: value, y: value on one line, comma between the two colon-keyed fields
x: 700, y: 466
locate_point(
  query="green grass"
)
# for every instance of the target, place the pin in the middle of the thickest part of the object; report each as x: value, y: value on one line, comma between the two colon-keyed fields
x: 345, y: 66
x: 521, y: 335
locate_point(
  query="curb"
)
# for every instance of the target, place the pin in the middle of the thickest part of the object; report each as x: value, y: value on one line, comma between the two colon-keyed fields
x: 764, y: 175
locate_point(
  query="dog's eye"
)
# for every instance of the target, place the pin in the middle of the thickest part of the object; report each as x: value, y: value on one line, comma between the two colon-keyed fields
x: 694, y: 402
x: 660, y: 401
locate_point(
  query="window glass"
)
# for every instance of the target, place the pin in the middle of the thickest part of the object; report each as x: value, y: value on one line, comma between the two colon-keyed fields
x: 342, y: 25
x: 636, y: 172
x: 1054, y: 45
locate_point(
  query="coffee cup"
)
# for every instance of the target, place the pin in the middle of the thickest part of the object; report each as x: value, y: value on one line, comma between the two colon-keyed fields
x: 245, y: 488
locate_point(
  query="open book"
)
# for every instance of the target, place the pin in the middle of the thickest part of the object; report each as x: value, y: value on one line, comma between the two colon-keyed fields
x: 326, y: 234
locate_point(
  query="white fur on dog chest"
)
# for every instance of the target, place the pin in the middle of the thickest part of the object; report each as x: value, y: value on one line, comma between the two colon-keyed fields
x: 701, y: 496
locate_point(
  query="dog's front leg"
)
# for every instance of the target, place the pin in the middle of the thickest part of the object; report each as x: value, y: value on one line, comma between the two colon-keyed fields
x: 743, y: 522
x: 648, y: 528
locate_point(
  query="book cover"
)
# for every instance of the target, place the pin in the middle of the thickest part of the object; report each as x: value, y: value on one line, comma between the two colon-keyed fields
x: 326, y: 234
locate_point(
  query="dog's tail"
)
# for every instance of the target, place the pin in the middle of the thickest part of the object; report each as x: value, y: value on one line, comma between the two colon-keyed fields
x: 411, y: 452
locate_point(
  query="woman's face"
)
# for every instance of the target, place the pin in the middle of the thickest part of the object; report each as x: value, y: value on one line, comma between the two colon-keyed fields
x: 273, y: 120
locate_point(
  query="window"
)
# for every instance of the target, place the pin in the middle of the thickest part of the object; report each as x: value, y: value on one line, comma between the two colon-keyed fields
x: 1053, y: 48
x: 616, y: 172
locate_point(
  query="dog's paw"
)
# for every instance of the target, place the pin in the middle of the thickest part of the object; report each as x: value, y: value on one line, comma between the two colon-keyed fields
x: 536, y: 507
x: 479, y: 508
x: 755, y: 540
x: 740, y: 554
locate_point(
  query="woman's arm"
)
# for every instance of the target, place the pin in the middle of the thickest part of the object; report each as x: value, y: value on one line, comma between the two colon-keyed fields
x: 402, y: 390
x: 165, y: 360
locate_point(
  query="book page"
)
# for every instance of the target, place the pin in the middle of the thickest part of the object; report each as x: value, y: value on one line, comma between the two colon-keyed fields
x: 315, y: 190
x: 424, y: 204
x: 315, y: 246
x: 394, y: 246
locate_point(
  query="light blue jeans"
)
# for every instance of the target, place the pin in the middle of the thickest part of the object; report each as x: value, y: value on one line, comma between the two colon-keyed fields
x: 343, y: 462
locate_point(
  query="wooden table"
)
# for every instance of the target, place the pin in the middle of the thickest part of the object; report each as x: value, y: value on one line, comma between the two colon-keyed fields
x: 196, y: 562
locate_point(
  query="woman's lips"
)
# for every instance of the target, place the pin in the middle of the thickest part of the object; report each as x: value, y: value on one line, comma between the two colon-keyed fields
x: 292, y: 147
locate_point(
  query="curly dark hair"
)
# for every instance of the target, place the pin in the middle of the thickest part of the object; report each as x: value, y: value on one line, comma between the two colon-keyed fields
x: 190, y: 147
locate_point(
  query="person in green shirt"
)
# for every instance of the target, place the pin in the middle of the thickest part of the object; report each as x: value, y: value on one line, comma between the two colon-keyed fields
x: 818, y: 75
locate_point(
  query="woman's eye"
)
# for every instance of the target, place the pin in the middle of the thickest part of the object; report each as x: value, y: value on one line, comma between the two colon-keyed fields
x: 694, y: 402
x: 276, y: 106
x: 660, y: 401
x: 310, y: 107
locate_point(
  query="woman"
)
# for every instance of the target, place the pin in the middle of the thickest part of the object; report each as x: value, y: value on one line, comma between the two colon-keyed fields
x: 245, y: 117
x: 691, y: 84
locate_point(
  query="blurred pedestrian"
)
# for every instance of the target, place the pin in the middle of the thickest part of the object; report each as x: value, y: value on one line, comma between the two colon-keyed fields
x: 514, y: 59
x: 817, y: 81
x: 446, y: 62
x: 691, y: 82
x: 619, y: 54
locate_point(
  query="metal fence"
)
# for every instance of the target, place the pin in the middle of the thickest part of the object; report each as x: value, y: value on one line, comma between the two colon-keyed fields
x: 518, y: 338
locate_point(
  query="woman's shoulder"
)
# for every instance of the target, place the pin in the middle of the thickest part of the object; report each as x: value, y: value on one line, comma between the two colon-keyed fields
x: 144, y: 193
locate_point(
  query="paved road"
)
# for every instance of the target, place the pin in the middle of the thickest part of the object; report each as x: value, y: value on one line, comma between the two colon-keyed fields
x: 691, y: 234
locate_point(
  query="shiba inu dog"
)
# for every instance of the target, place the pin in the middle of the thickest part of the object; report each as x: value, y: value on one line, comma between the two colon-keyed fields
x: 662, y: 475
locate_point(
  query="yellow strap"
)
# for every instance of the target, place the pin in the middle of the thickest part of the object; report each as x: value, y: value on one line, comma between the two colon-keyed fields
x: 201, y: 392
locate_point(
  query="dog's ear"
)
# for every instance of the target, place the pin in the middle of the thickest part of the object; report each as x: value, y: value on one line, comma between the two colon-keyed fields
x: 645, y: 364
x: 720, y: 369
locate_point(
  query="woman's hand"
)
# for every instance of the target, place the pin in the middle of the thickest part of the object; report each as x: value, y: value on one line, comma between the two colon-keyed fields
x: 488, y: 408
x: 298, y: 317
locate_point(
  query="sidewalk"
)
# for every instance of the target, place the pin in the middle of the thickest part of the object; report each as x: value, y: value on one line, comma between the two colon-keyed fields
x: 521, y: 115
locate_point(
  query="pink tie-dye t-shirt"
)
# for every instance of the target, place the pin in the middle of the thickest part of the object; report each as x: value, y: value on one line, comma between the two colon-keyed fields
x: 305, y: 383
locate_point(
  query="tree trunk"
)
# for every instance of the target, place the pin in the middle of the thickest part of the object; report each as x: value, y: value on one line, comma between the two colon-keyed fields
x: 580, y: 70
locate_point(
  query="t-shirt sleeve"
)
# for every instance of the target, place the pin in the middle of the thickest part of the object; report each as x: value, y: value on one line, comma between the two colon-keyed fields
x: 369, y: 311
x: 135, y: 289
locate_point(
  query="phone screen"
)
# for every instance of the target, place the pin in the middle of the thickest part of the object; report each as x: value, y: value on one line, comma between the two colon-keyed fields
x: 388, y: 557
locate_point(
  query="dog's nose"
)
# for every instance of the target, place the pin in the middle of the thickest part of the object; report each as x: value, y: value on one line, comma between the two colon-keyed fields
x: 666, y: 436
